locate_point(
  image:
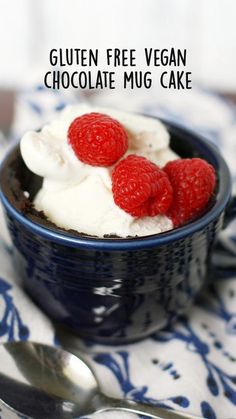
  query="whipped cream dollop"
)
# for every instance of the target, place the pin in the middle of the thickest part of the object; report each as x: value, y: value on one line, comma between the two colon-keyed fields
x: 77, y: 196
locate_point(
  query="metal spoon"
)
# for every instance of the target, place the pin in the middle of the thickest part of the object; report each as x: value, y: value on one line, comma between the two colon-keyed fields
x: 41, y: 381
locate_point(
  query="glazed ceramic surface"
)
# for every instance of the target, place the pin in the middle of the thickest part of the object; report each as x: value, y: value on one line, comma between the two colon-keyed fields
x: 113, y: 290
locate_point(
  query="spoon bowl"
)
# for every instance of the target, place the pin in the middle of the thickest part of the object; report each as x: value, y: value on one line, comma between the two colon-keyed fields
x: 43, y: 381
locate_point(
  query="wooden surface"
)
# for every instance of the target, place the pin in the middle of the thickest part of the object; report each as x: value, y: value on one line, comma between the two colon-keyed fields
x: 7, y: 104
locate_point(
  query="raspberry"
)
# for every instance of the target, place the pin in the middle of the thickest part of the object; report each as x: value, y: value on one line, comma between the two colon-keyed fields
x: 193, y: 182
x: 97, y: 139
x: 140, y: 187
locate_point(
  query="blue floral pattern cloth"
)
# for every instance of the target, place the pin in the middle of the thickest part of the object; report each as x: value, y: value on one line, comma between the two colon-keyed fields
x: 190, y: 367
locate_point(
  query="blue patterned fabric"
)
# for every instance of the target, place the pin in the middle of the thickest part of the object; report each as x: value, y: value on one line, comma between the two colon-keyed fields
x: 190, y: 367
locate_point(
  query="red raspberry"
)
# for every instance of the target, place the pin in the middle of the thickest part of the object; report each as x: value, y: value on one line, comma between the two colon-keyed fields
x: 140, y: 187
x: 97, y: 139
x: 193, y: 182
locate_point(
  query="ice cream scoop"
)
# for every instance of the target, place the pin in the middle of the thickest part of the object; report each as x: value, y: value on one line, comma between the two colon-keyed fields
x: 78, y: 196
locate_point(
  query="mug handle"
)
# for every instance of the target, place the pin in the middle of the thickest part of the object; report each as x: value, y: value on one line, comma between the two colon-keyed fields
x: 223, y: 263
x: 230, y: 213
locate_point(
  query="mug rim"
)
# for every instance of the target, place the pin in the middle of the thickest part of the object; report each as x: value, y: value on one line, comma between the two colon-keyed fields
x: 142, y: 242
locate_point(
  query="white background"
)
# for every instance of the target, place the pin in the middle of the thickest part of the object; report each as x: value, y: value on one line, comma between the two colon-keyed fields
x: 29, y: 28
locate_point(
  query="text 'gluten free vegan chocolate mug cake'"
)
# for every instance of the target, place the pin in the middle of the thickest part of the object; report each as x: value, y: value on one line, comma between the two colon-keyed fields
x: 113, y: 217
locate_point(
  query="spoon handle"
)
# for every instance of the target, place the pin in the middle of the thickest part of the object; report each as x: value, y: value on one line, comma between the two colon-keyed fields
x: 107, y: 403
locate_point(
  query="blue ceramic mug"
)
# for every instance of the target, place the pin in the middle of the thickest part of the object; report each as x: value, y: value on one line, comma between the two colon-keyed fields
x: 114, y: 290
